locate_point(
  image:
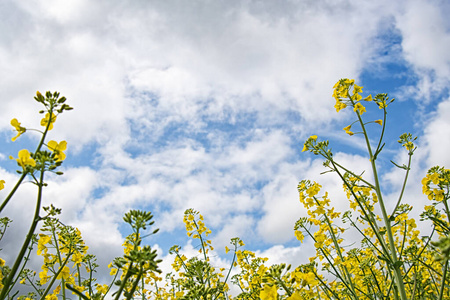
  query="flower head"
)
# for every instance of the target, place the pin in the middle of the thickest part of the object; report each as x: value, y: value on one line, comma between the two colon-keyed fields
x: 360, y: 108
x: 357, y: 89
x: 2, y: 184
x: 64, y: 274
x: 339, y: 105
x: 368, y: 98
x: 43, y: 240
x: 58, y: 149
x: 24, y: 159
x: 19, y: 128
x: 46, y: 120
x: 347, y: 130
x: 269, y: 293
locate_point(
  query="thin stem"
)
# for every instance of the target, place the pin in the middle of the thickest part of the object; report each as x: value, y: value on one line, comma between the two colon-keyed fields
x: 28, y: 238
x: 5, y: 202
x: 395, y: 262
x: 124, y: 281
x: 444, y: 275
x: 372, y: 223
x: 232, y: 263
x: 26, y: 259
x: 135, y: 284
x: 61, y: 267
x: 404, y: 185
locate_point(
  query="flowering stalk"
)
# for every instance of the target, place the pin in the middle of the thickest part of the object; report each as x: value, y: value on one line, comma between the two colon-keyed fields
x: 29, y: 166
x: 7, y: 284
x: 344, y: 97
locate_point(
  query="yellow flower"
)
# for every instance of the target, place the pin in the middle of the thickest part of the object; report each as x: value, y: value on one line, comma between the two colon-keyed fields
x: 46, y: 119
x: 360, y: 108
x: 295, y: 296
x: 268, y: 293
x: 24, y: 159
x: 357, y: 89
x: 113, y: 270
x: 299, y: 235
x: 2, y: 184
x: 43, y: 240
x: 58, y: 149
x: 19, y: 128
x: 64, y: 274
x: 51, y: 297
x: 380, y: 122
x: 382, y: 104
x: 227, y: 249
x: 57, y: 290
x: 43, y: 276
x: 347, y: 130
x: 103, y: 289
x: 2, y: 262
x: 408, y: 145
x: 339, y: 105
x: 77, y: 258
x: 368, y: 98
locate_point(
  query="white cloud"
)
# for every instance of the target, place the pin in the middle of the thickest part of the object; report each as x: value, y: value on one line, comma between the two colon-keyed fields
x: 426, y: 40
x: 435, y: 136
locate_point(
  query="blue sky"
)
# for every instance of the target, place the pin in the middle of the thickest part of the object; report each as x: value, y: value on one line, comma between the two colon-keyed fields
x: 206, y: 105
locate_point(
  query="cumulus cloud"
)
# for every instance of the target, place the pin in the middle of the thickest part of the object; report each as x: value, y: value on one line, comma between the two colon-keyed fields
x: 426, y: 39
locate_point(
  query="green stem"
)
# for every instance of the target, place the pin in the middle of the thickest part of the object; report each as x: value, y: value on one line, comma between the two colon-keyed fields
x: 124, y: 281
x: 26, y: 259
x: 327, y: 255
x: 395, y: 262
x: 444, y: 275
x: 338, y: 249
x: 36, y: 219
x: 58, y: 252
x: 61, y: 267
x: 283, y: 285
x: 370, y: 220
x: 5, y: 202
x: 350, y: 172
x: 404, y: 185
x: 204, y: 253
x: 135, y: 284
x: 79, y: 278
x: 379, y: 147
x: 231, y: 266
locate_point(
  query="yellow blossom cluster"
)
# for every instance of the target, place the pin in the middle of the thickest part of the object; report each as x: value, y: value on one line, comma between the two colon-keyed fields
x: 60, y: 247
x: 346, y: 92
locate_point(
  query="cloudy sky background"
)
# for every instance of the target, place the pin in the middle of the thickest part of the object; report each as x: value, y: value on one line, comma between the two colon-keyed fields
x: 206, y: 105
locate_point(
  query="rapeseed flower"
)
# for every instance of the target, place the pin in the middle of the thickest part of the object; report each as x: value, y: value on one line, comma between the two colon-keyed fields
x: 360, y: 108
x: 24, y: 159
x: 58, y: 149
x: 46, y: 120
x: 268, y: 292
x: 20, y: 129
x: 347, y: 130
x: 64, y: 274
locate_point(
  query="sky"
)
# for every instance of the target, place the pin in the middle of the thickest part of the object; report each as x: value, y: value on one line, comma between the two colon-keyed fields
x: 206, y: 105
